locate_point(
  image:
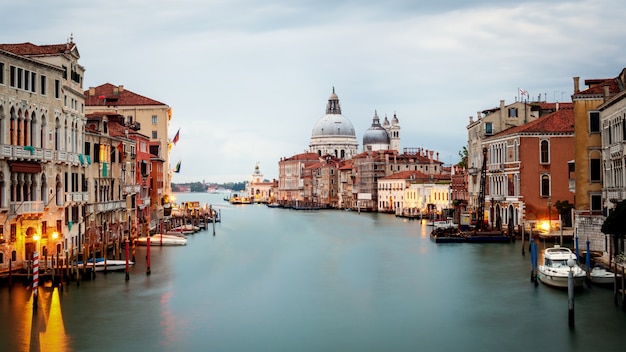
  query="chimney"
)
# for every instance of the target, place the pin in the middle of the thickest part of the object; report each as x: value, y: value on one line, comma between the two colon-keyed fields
x: 92, y: 91
x: 606, y: 92
x: 557, y: 106
x: 576, y: 85
x: 120, y: 88
x: 437, y: 156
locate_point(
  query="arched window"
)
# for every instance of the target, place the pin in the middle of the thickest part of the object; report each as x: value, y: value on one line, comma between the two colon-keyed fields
x: 545, y: 186
x: 545, y: 152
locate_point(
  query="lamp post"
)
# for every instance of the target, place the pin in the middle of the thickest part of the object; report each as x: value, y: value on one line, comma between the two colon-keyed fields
x: 570, y: 292
x: 549, y: 214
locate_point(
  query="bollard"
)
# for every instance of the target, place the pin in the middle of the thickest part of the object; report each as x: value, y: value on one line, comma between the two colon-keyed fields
x: 93, y: 267
x: 35, y: 279
x: 127, y: 266
x: 148, y: 271
x: 570, y: 292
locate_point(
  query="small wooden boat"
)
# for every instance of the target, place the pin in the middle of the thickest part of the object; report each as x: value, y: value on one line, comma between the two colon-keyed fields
x: 162, y: 240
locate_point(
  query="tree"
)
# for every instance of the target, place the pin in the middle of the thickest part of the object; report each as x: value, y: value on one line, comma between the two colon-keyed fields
x: 615, y: 225
x: 463, y: 154
x: 564, y: 208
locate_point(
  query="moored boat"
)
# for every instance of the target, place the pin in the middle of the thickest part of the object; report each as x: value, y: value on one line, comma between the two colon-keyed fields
x: 555, y: 268
x: 108, y: 264
x: 162, y: 240
x: 600, y: 275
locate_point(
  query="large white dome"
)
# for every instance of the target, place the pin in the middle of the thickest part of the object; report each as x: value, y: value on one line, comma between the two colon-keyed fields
x: 333, y: 133
x: 333, y: 123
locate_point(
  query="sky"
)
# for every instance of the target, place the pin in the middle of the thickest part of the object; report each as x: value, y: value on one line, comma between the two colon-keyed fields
x: 247, y: 80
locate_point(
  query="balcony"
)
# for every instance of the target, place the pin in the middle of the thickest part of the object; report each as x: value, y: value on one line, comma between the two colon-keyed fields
x: 131, y: 189
x: 30, y: 153
x: 617, y: 150
x: 110, y: 206
x: 615, y: 195
x: 76, y: 197
x: 26, y: 207
x: 495, y: 167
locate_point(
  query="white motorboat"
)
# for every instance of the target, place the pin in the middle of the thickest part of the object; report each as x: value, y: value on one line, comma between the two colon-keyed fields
x: 109, y: 264
x: 162, y: 240
x: 443, y: 224
x: 185, y: 229
x: 555, y: 269
x: 601, y: 276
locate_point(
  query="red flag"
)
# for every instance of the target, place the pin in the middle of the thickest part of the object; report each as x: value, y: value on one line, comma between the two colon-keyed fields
x: 176, y: 137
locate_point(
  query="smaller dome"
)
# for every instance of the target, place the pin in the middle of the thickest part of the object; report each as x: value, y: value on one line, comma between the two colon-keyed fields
x: 376, y: 134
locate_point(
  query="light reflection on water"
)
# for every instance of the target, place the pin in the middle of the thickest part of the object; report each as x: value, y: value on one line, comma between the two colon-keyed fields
x: 281, y: 280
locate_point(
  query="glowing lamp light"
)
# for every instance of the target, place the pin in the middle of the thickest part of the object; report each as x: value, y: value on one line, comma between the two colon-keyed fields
x: 36, y: 237
x: 545, y: 226
x: 55, y: 235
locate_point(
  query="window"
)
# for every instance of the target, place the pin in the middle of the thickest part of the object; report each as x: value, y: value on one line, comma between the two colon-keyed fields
x: 595, y: 170
x: 512, y: 112
x: 12, y: 76
x: 596, y: 202
x: 1, y: 72
x: 20, y: 74
x: 57, y: 88
x: 488, y: 128
x: 155, y: 135
x: 154, y: 119
x: 594, y: 122
x: 42, y: 88
x: 545, y: 186
x: 544, y: 147
x: 33, y: 80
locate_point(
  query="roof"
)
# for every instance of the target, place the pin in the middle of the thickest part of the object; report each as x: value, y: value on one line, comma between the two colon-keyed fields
x: 596, y: 86
x: 561, y: 121
x: 303, y: 156
x: 416, y: 175
x: 112, y: 95
x: 30, y: 49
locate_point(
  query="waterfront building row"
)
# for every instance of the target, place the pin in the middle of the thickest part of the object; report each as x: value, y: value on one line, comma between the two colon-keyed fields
x: 540, y: 155
x: 76, y: 173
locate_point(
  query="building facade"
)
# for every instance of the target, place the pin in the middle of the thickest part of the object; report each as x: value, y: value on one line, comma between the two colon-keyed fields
x: 43, y: 190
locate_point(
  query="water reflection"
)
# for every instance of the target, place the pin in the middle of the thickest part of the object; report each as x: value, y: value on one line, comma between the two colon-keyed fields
x: 42, y: 329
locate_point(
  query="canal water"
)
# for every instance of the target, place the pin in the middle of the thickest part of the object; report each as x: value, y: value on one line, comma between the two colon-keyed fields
x: 286, y: 280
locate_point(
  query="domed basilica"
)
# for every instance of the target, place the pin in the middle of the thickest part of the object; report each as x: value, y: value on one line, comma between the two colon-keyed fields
x: 334, y: 134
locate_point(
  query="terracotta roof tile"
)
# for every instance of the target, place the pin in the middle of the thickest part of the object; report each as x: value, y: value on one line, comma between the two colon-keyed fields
x: 112, y: 95
x: 596, y: 86
x: 30, y: 49
x: 561, y: 121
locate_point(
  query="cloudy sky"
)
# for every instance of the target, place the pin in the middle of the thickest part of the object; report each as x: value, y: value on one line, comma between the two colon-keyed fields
x: 247, y: 80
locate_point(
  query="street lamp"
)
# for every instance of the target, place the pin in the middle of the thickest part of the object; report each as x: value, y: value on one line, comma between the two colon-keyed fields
x: 549, y: 214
